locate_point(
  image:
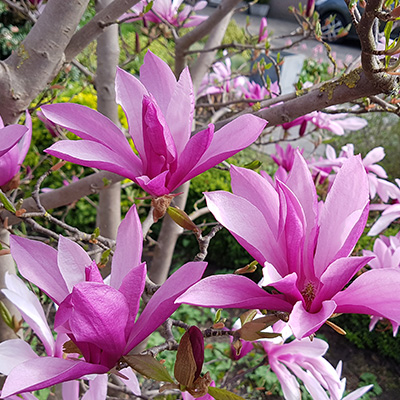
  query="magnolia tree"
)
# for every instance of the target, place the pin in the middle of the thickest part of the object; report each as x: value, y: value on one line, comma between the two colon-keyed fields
x: 87, y: 328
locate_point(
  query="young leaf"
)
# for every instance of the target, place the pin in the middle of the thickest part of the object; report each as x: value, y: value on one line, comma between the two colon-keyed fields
x: 6, y: 315
x: 6, y: 203
x: 222, y: 394
x: 149, y: 367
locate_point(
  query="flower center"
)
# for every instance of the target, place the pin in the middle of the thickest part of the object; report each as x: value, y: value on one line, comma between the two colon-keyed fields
x: 308, y: 294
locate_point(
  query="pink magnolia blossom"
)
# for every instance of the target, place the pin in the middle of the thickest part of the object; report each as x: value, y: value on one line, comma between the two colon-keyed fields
x: 14, y: 145
x: 98, y: 318
x: 390, y: 213
x: 285, y: 158
x: 263, y: 32
x: 302, y: 360
x: 17, y: 351
x: 305, y: 248
x: 160, y: 113
x: 386, y: 252
x: 336, y: 123
x: 167, y: 11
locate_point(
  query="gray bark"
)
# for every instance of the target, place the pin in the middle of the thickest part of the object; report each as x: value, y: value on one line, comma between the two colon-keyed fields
x: 109, y: 210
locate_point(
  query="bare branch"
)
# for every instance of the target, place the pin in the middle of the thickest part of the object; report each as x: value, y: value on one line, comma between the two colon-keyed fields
x: 96, y: 26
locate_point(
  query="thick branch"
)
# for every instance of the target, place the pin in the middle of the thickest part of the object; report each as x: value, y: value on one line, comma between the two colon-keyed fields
x: 96, y: 26
x: 345, y: 89
x: 66, y: 194
x: 40, y: 56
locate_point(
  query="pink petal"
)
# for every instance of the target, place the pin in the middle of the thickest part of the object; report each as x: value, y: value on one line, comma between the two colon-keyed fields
x: 128, y: 251
x: 70, y: 390
x: 43, y: 372
x: 72, y: 261
x: 9, y: 136
x: 304, y: 323
x: 31, y: 310
x: 37, y: 263
x: 179, y: 115
x: 190, y: 156
x: 162, y: 304
x: 132, y: 382
x: 389, y: 215
x: 232, y: 291
x: 129, y: 94
x: 249, y: 227
x: 90, y: 125
x: 337, y: 276
x: 158, y: 142
x: 159, y: 80
x: 375, y: 155
x: 229, y: 140
x: 14, y: 352
x: 342, y: 211
x: 96, y: 155
x: 97, y: 388
x: 97, y: 314
x: 258, y: 191
x: 375, y: 292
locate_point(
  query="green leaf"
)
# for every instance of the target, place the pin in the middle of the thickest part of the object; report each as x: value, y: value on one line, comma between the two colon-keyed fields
x: 222, y: 394
x: 6, y: 315
x: 149, y: 367
x: 6, y: 203
x: 217, y: 315
x: 106, y: 182
x: 96, y: 233
x: 105, y: 256
x: 253, y: 165
x: 148, y: 7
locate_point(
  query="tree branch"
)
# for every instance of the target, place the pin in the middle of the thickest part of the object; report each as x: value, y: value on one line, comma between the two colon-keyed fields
x: 96, y: 26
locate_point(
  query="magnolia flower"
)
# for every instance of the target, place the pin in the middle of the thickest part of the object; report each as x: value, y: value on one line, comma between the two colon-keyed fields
x: 304, y: 246
x: 336, y: 123
x: 285, y: 158
x: 16, y: 351
x: 390, y: 213
x: 263, y: 32
x: 386, y: 252
x: 160, y: 114
x: 14, y: 145
x: 98, y: 318
x: 167, y: 11
x: 301, y: 360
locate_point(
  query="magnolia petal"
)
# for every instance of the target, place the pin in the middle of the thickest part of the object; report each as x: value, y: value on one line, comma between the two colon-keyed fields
x: 132, y: 288
x: 9, y: 136
x: 89, y: 125
x: 375, y: 292
x: 191, y: 154
x: 25, y: 142
x: 336, y: 277
x: 180, y: 110
x: 96, y: 155
x: 390, y: 214
x: 342, y: 210
x: 128, y: 251
x: 70, y: 390
x: 248, y: 226
x: 97, y: 314
x: 14, y: 352
x: 37, y: 263
x: 304, y: 323
x: 232, y: 291
x: 159, y: 80
x: 258, y: 191
x: 162, y: 304
x: 155, y: 187
x: 157, y: 139
x: 229, y: 140
x: 43, y: 372
x: 129, y: 93
x: 31, y: 310
x: 132, y: 382
x: 72, y: 260
x: 97, y: 388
